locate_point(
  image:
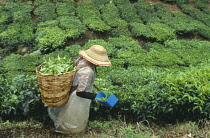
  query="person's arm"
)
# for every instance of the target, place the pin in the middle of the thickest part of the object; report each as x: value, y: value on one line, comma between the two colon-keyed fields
x: 85, y: 78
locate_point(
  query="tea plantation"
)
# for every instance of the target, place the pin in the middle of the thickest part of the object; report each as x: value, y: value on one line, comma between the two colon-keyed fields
x: 160, y: 57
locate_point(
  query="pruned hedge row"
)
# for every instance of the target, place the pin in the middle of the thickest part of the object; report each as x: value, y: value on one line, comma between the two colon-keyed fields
x: 21, y: 21
x: 157, y: 31
x: 110, y: 15
x: 196, y: 14
x: 90, y: 16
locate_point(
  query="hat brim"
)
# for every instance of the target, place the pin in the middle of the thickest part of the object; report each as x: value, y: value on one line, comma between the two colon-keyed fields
x: 96, y: 62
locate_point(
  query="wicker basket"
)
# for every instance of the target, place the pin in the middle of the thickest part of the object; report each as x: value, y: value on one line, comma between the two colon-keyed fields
x: 55, y: 89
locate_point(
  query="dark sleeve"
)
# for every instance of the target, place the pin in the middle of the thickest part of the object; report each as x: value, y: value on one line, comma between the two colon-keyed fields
x: 86, y: 95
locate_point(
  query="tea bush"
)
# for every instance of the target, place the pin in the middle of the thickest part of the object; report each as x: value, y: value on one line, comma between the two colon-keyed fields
x: 182, y: 2
x: 18, y: 93
x: 50, y: 23
x: 196, y: 14
x: 72, y: 51
x: 72, y: 26
x: 50, y: 38
x: 5, y: 16
x: 45, y: 12
x: 201, y: 4
x: 162, y: 31
x: 142, y: 30
x: 158, y: 31
x: 17, y: 64
x: 90, y: 16
x: 40, y: 2
x: 121, y: 2
x: 17, y: 34
x: 177, y: 53
x: 128, y: 12
x: 110, y: 15
x: 65, y: 9
x: 186, y: 93
x: 146, y: 12
x: 182, y: 23
x: 20, y: 28
x: 100, y: 4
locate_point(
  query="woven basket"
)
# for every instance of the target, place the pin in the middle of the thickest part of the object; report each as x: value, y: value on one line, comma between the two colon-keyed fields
x: 55, y: 89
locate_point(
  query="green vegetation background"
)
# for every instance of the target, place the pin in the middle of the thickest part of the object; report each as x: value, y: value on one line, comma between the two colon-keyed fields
x: 155, y: 74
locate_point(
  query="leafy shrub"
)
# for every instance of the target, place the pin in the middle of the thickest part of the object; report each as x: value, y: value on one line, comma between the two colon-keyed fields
x: 72, y: 26
x: 131, y: 84
x: 123, y: 51
x: 162, y: 31
x: 18, y: 6
x: 23, y: 14
x: 168, y: 0
x: 186, y: 93
x: 155, y: 93
x: 64, y: 1
x: 121, y: 2
x: 174, y: 53
x: 73, y: 51
x: 15, y: 63
x: 190, y: 52
x: 45, y: 12
x: 121, y: 30
x: 181, y: 2
x: 90, y: 16
x: 203, y: 29
x: 4, y: 18
x: 125, y: 43
x: 142, y: 30
x: 196, y: 14
x: 18, y: 33
x: 65, y: 9
x: 50, y: 23
x: 162, y: 12
x: 18, y: 94
x: 157, y: 31
x: 128, y: 13
x: 146, y: 12
x: 100, y: 3
x: 201, y: 4
x: 110, y: 15
x: 50, y: 38
x: 182, y: 23
x: 40, y: 2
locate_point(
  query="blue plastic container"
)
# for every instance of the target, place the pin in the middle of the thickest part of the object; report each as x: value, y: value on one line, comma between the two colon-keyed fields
x: 111, y: 100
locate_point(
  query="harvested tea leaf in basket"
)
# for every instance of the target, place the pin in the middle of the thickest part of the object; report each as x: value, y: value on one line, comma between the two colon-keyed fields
x: 57, y: 65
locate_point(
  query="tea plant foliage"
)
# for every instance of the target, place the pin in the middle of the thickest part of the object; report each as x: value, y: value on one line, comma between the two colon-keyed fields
x: 154, y: 74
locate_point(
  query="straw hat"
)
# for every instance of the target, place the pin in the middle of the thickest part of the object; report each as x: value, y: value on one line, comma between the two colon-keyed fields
x: 97, y: 55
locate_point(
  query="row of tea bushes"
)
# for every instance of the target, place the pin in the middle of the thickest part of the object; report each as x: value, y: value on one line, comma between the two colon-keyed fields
x: 141, y: 79
x: 21, y: 22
